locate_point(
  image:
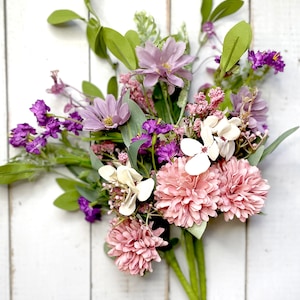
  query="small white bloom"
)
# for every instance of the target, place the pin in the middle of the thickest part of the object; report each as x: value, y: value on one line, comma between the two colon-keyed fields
x: 201, y: 154
x: 131, y: 181
x: 228, y: 129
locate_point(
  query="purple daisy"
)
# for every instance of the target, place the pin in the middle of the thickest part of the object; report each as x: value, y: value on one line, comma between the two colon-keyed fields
x: 105, y: 114
x: 164, y: 64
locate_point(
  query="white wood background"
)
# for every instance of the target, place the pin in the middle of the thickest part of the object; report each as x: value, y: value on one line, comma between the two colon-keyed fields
x: 46, y: 253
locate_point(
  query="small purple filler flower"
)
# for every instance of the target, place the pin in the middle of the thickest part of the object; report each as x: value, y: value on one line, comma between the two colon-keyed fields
x: 105, y: 114
x: 270, y: 58
x: 21, y: 135
x: 164, y: 64
x: 91, y: 213
x: 39, y: 109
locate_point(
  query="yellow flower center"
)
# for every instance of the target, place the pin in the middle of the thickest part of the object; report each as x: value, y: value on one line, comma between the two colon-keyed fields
x: 108, y: 121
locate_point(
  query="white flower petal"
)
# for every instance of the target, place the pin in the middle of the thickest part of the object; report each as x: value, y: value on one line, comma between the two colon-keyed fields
x: 108, y: 173
x: 211, y: 121
x: 213, y: 151
x: 145, y: 189
x: 128, y: 206
x: 206, y: 135
x: 197, y: 164
x: 235, y: 121
x: 190, y: 147
x: 232, y: 134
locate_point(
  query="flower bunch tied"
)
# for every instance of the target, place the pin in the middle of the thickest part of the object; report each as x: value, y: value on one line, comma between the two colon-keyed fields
x: 149, y: 153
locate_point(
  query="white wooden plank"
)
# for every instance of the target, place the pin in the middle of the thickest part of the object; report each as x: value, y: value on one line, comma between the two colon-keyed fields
x: 4, y: 203
x: 104, y: 272
x: 50, y: 247
x: 273, y: 239
x: 224, y: 243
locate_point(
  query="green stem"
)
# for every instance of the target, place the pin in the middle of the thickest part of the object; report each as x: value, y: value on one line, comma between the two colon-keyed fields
x: 191, y: 259
x: 173, y: 263
x: 199, y: 252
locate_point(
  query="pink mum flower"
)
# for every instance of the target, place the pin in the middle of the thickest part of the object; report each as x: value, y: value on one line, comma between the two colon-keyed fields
x: 185, y: 199
x: 243, y: 190
x: 134, y: 245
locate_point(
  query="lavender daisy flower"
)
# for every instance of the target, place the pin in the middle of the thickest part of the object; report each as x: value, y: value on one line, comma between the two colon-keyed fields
x: 164, y: 64
x: 91, y: 213
x: 105, y: 114
x: 21, y: 135
x: 251, y: 108
x: 39, y: 109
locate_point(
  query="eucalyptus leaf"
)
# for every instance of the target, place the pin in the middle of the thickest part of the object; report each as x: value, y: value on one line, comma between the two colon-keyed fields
x: 112, y: 86
x: 63, y: 16
x: 197, y: 230
x: 225, y: 9
x: 120, y: 47
x: 95, y: 161
x: 236, y: 42
x: 205, y: 10
x: 88, y: 193
x: 278, y: 141
x: 134, y: 125
x: 91, y: 90
x: 133, y: 151
x: 68, y: 201
x: 68, y: 184
x: 255, y: 157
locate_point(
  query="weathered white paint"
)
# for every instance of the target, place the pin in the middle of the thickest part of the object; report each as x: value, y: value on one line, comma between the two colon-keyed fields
x: 47, y: 253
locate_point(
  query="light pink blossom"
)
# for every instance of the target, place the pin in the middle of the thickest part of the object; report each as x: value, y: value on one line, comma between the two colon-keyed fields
x: 134, y: 244
x: 185, y: 199
x: 243, y: 190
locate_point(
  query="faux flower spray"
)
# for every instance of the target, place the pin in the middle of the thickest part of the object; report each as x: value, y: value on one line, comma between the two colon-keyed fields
x: 149, y: 153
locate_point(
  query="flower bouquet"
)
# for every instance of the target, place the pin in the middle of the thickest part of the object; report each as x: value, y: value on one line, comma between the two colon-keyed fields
x: 156, y: 158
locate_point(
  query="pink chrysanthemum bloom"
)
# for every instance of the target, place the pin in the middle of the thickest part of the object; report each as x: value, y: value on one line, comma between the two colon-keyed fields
x: 243, y: 190
x: 134, y: 244
x: 185, y: 199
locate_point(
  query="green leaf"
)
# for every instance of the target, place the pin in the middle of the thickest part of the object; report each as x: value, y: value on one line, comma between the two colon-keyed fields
x: 278, y: 141
x: 91, y: 90
x: 68, y: 200
x: 112, y: 86
x: 255, y: 157
x: 120, y: 47
x: 206, y: 8
x: 63, y: 16
x: 88, y: 193
x: 68, y: 184
x: 133, y: 38
x: 94, y: 34
x: 12, y: 172
x: 95, y: 161
x: 236, y: 42
x: 197, y: 230
x: 134, y: 125
x: 133, y: 151
x: 225, y: 9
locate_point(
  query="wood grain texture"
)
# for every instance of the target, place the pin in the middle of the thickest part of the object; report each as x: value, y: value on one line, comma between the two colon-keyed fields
x: 56, y: 254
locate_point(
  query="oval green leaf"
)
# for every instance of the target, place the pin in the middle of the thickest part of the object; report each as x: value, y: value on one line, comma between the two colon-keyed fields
x: 68, y: 201
x: 120, y: 47
x: 91, y: 90
x: 63, y: 16
x: 225, y: 9
x: 205, y: 10
x: 236, y: 42
x: 112, y: 86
